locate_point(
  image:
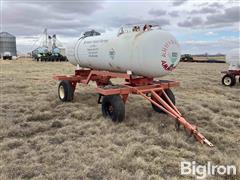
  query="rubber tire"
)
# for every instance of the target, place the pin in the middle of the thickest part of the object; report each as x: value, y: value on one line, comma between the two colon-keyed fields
x: 118, y: 108
x: 171, y: 97
x: 233, y: 80
x: 68, y: 91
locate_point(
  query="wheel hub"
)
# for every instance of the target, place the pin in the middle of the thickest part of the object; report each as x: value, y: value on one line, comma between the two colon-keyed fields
x: 110, y: 110
x: 227, y: 81
x: 61, y: 92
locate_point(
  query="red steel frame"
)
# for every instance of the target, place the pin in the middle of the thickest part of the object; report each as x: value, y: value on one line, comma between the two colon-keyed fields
x: 232, y: 72
x: 136, y: 85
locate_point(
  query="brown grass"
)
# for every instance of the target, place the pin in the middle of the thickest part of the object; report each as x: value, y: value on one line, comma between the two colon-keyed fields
x: 41, y: 137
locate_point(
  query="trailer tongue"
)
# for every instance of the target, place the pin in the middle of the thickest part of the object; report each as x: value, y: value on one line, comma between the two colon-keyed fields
x: 113, y: 97
x: 172, y: 110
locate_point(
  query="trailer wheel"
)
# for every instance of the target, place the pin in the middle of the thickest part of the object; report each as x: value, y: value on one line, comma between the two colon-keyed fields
x: 228, y: 80
x: 171, y: 97
x: 113, y: 107
x: 65, y: 91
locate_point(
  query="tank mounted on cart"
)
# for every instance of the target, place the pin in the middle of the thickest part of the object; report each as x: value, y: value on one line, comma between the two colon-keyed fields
x: 137, y: 54
x: 233, y: 59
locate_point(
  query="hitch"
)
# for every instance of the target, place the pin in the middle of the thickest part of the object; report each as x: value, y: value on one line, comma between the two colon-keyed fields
x: 168, y: 107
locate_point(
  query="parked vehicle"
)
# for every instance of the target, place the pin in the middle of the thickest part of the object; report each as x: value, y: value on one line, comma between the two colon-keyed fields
x: 7, y: 55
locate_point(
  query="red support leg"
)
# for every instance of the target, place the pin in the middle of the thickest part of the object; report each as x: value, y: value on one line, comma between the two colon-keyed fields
x: 125, y: 97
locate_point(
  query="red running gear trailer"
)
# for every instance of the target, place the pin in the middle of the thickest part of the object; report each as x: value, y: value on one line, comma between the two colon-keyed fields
x: 113, y: 97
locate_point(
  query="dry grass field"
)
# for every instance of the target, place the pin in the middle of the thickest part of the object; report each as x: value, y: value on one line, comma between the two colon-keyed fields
x: 43, y: 138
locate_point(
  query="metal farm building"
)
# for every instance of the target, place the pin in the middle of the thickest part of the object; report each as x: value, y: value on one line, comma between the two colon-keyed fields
x: 7, y: 44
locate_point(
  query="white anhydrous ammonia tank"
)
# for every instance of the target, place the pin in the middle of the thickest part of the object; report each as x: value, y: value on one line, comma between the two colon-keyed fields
x: 151, y: 53
x: 233, y: 59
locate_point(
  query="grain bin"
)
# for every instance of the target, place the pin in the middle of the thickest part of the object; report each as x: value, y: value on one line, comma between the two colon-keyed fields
x: 7, y: 44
